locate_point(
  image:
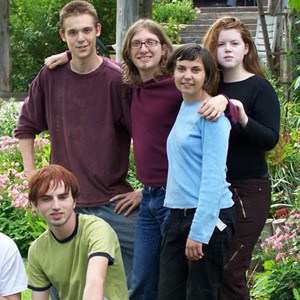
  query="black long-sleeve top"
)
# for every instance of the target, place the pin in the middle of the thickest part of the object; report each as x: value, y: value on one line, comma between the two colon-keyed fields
x: 247, y: 146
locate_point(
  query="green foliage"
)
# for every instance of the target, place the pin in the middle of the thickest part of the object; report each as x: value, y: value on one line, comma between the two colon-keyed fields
x: 284, y: 159
x: 9, y: 114
x: 14, y: 213
x: 181, y: 11
x: 13, y: 224
x: 281, y: 256
x: 294, y: 4
x: 34, y: 27
x: 295, y: 54
x: 277, y: 282
x: 172, y: 14
x: 131, y: 175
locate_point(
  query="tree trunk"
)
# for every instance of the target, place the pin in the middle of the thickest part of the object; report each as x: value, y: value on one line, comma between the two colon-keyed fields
x: 5, y: 54
x: 127, y: 14
x: 146, y: 9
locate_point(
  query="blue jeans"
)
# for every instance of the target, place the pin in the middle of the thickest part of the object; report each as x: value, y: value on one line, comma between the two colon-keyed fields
x: 123, y: 226
x: 150, y: 225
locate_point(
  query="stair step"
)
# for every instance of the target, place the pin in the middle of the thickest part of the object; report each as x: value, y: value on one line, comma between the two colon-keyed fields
x: 244, y: 16
x: 201, y: 27
x: 208, y: 15
x: 230, y: 9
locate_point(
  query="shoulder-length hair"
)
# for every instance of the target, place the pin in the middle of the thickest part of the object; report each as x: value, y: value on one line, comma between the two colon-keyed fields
x: 210, y: 41
x: 130, y: 72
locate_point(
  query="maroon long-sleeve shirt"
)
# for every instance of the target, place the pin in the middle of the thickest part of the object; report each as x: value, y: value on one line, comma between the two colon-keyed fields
x: 88, y: 118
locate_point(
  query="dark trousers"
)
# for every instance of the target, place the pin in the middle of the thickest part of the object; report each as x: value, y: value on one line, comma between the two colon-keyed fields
x: 252, y: 199
x: 181, y: 278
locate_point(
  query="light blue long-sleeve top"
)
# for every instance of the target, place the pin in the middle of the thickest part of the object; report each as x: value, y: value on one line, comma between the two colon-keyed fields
x: 197, y: 151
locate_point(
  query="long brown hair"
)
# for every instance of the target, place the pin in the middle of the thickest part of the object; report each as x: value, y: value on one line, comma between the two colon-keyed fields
x: 130, y: 72
x: 210, y: 41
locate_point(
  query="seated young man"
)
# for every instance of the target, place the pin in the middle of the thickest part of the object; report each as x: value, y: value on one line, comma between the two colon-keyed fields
x: 78, y: 254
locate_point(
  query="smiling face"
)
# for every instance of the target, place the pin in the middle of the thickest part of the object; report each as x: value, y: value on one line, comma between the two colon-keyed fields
x: 80, y: 33
x: 146, y: 58
x: 56, y: 206
x: 231, y: 50
x: 189, y: 78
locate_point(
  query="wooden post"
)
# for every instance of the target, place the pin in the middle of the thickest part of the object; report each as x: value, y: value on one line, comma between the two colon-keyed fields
x: 146, y: 9
x: 265, y: 35
x: 286, y: 61
x: 5, y: 52
x: 127, y: 14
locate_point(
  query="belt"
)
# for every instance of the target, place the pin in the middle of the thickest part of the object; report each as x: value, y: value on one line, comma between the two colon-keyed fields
x: 183, y: 211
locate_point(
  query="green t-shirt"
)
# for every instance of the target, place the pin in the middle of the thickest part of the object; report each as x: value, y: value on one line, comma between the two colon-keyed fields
x: 63, y: 264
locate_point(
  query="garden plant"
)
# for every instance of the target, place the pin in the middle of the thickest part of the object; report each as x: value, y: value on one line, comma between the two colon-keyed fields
x: 279, y: 254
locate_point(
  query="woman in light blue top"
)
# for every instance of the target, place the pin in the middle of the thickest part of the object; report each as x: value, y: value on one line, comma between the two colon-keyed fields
x: 202, y: 218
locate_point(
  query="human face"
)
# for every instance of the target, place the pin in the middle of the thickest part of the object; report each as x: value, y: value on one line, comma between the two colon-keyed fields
x: 146, y: 58
x: 189, y: 79
x: 231, y: 50
x: 57, y: 208
x: 80, y: 34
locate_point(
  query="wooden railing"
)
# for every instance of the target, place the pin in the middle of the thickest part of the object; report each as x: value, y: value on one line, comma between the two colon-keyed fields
x: 19, y: 96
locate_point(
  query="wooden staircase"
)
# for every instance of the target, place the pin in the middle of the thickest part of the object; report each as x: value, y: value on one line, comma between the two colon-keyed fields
x: 207, y: 15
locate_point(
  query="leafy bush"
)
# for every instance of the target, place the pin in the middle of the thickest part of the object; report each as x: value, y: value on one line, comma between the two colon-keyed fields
x: 182, y: 11
x: 172, y: 15
x: 9, y: 115
x: 14, y: 210
x: 281, y: 256
x: 34, y: 27
x: 284, y: 159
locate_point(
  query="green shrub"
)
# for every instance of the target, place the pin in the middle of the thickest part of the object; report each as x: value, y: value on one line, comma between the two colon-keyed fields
x: 284, y: 159
x: 9, y: 114
x: 171, y: 15
x: 14, y: 209
x: 34, y: 27
x: 181, y: 11
x: 280, y: 254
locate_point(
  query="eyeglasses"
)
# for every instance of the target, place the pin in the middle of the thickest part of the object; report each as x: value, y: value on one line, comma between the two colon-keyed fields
x: 147, y: 43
